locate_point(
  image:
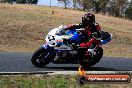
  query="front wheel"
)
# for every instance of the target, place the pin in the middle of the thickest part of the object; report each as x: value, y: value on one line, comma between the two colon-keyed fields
x: 42, y: 57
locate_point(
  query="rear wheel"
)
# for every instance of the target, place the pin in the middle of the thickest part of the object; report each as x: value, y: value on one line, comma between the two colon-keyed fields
x: 42, y: 57
x: 90, y: 61
x: 98, y: 55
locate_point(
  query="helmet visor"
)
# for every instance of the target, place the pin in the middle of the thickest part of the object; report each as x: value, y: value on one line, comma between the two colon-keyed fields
x: 85, y: 20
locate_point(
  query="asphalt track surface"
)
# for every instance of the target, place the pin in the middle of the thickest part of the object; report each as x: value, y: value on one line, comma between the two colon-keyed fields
x: 21, y: 62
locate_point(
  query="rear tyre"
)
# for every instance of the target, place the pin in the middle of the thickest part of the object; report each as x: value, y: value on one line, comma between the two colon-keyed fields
x: 42, y: 57
x: 98, y: 55
x: 88, y: 62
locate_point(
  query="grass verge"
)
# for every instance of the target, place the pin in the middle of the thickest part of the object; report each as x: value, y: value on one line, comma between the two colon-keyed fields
x: 45, y: 81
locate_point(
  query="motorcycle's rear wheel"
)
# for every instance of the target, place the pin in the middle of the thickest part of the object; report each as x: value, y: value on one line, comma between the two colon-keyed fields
x: 88, y: 62
x: 42, y: 57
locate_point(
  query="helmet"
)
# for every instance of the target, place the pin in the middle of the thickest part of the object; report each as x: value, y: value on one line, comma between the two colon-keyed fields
x: 88, y: 18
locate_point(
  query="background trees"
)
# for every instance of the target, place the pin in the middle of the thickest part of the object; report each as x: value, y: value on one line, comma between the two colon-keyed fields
x: 65, y: 2
x: 128, y: 12
x: 116, y: 8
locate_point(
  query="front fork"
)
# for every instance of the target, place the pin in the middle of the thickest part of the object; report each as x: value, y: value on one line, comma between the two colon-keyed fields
x: 48, y: 48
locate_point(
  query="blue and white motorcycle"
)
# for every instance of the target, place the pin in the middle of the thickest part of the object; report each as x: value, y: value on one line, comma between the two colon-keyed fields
x: 60, y: 49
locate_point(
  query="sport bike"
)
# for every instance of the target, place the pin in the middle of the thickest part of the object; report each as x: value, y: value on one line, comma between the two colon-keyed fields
x: 61, y: 47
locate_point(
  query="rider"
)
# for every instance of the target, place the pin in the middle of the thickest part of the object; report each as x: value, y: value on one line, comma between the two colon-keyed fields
x: 91, y: 31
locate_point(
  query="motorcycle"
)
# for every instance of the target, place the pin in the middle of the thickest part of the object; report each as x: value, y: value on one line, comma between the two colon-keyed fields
x: 60, y: 49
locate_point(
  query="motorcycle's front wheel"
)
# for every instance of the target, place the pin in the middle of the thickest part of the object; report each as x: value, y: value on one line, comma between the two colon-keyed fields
x: 42, y: 57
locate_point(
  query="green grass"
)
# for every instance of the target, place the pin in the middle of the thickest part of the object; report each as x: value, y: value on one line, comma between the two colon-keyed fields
x: 45, y: 81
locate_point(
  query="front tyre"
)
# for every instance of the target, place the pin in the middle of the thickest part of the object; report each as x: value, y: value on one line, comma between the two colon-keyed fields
x: 42, y: 57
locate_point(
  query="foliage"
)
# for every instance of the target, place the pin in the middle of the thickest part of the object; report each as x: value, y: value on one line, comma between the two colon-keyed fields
x: 115, y: 8
x: 9, y: 1
x: 102, y: 5
x: 74, y: 4
x: 65, y: 2
x: 128, y: 11
x: 85, y: 4
x: 21, y: 1
x: 32, y: 1
x: 118, y: 7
